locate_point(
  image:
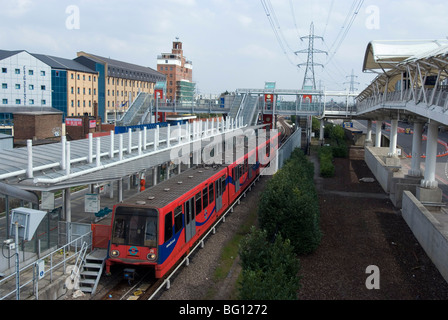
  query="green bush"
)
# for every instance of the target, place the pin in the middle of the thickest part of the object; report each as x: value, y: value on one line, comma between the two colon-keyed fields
x: 326, y: 162
x: 289, y: 205
x: 270, y: 269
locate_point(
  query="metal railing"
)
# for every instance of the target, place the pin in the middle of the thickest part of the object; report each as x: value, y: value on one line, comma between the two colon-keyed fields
x: 31, y: 275
x: 428, y: 96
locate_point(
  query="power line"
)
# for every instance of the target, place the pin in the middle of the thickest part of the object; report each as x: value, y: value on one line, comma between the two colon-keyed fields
x: 328, y: 18
x: 345, y: 29
x: 273, y: 21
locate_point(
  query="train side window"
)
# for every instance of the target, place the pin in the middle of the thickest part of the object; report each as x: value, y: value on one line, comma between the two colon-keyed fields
x: 223, y: 182
x: 210, y: 193
x: 178, y: 219
x: 168, y: 226
x: 198, y: 203
x: 205, y: 198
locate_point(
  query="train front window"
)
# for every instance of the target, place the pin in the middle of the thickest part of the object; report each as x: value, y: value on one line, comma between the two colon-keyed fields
x: 135, y: 227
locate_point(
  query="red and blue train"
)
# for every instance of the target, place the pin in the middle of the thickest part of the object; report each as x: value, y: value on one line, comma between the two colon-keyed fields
x: 158, y: 226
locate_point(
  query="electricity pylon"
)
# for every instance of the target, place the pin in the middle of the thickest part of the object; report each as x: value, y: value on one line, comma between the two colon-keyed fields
x: 309, y: 82
x: 352, y: 82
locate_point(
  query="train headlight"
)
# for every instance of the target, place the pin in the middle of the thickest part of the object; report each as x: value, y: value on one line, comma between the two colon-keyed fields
x: 115, y: 253
x: 151, y: 256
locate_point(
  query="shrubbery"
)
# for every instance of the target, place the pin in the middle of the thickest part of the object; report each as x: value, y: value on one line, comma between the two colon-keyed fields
x: 289, y: 220
x: 336, y: 148
x: 326, y: 162
x: 269, y: 269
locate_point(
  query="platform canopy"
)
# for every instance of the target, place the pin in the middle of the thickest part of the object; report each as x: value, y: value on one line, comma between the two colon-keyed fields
x: 429, y: 59
x: 383, y: 55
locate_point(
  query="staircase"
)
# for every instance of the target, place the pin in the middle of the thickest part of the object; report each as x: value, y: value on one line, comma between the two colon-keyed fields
x: 91, y: 270
x: 136, y: 111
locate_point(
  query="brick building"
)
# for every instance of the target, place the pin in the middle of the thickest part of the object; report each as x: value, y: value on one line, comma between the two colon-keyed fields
x: 179, y: 74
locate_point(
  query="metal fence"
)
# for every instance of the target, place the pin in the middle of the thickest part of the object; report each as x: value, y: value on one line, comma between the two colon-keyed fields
x: 293, y: 142
x: 25, y: 282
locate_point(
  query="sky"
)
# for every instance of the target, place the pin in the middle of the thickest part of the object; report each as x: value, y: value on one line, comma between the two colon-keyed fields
x: 233, y: 44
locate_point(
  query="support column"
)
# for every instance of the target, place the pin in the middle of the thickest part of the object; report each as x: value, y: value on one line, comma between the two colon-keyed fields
x: 378, y: 133
x: 120, y: 190
x: 429, y: 191
x: 429, y: 180
x: 393, y: 139
x: 369, y: 133
x: 415, y: 170
x: 322, y: 132
x: 67, y: 205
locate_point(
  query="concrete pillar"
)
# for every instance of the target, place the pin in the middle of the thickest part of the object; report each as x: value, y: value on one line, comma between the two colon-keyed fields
x: 378, y: 133
x: 322, y: 132
x: 67, y: 205
x: 429, y: 180
x: 120, y: 190
x: 154, y: 175
x: 393, y: 139
x: 415, y: 170
x: 369, y: 133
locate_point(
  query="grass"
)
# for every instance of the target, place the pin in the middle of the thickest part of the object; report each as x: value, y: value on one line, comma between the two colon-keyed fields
x: 228, y: 255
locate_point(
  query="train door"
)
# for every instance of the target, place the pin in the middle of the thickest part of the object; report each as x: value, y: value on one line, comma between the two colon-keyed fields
x: 218, y: 194
x: 190, y: 220
x: 236, y: 177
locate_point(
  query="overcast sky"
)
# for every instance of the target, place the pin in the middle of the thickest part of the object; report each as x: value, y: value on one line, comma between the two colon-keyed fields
x: 231, y: 43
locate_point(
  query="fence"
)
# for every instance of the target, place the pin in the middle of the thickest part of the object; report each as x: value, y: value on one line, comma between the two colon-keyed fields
x: 293, y: 142
x: 25, y: 282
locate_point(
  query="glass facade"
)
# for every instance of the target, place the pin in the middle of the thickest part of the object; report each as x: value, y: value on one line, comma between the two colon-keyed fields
x: 59, y: 90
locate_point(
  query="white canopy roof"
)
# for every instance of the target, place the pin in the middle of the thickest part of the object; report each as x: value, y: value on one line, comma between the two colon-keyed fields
x: 382, y: 55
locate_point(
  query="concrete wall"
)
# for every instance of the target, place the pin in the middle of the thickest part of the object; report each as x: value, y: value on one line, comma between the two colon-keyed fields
x: 373, y: 158
x: 428, y: 231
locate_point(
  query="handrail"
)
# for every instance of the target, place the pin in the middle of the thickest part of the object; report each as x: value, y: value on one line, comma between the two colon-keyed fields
x: 29, y: 270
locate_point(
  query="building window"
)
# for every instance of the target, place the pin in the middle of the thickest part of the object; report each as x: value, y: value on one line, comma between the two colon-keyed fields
x: 78, y: 77
x: 5, y: 101
x: 18, y: 101
x: 4, y: 86
x: 90, y: 91
x: 73, y: 76
x: 94, y: 91
x: 42, y: 73
x: 31, y: 72
x: 84, y: 77
x: 43, y: 88
x: 72, y: 90
x: 31, y: 101
x: 90, y: 78
x: 44, y: 102
x: 18, y: 86
x: 4, y: 70
x: 31, y: 87
x: 17, y: 71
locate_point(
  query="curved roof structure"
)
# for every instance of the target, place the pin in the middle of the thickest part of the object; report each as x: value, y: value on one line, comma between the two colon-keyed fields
x: 383, y: 55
